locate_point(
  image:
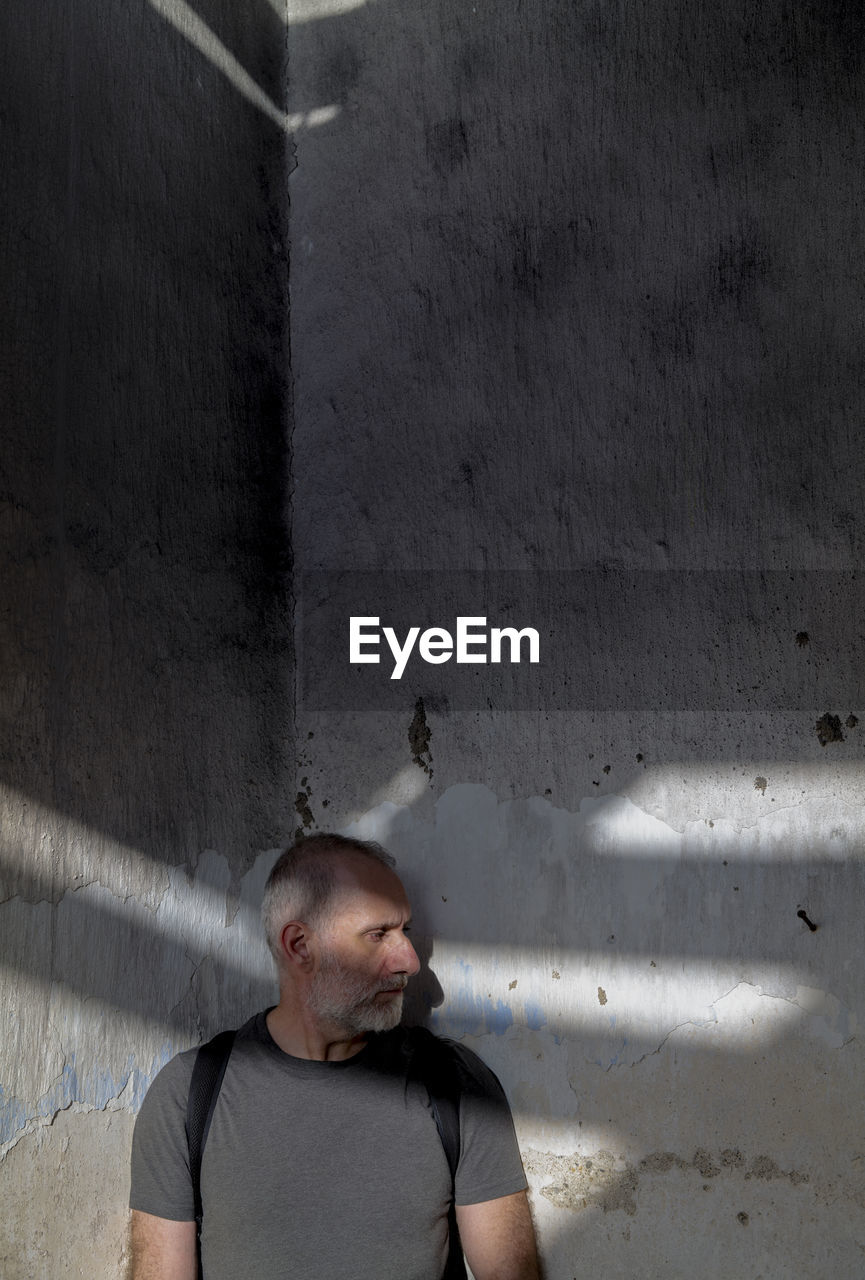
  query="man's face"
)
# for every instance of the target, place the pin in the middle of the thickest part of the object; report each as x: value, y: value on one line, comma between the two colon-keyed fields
x: 364, y: 956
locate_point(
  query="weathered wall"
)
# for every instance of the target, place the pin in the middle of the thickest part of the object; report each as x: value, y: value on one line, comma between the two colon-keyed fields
x: 145, y: 644
x: 576, y: 343
x: 577, y: 330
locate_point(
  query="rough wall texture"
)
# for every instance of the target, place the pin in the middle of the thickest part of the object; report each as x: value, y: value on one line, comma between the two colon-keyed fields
x: 576, y: 343
x: 145, y: 643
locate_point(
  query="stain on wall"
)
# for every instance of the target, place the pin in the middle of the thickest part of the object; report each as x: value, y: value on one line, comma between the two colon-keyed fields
x: 829, y: 729
x: 609, y: 1183
x: 419, y: 735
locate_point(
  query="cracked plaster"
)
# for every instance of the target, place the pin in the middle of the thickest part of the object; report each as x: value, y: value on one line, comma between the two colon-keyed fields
x: 115, y: 986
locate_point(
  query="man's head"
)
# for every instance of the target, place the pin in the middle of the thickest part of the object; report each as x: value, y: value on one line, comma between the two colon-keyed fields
x: 336, y: 918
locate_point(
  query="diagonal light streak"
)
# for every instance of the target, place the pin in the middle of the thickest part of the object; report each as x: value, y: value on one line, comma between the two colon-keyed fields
x: 193, y: 29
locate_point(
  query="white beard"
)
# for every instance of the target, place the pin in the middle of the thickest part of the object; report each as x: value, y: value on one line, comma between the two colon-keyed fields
x: 346, y: 1000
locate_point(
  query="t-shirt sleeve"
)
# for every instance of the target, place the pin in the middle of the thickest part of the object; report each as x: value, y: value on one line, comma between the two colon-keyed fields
x: 160, y: 1154
x: 490, y: 1165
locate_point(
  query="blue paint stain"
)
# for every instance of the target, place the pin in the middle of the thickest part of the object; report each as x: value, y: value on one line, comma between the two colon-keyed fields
x: 535, y: 1016
x: 13, y: 1116
x: 500, y: 1019
x: 468, y: 1013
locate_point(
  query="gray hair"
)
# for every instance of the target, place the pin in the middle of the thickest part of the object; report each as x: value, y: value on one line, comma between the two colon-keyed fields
x: 302, y: 882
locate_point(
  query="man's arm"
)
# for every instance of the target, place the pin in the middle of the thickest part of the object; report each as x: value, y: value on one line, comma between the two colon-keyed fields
x: 498, y: 1238
x: 162, y: 1249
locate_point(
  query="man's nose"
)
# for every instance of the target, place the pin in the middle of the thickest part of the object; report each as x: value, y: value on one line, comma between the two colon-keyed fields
x: 404, y: 958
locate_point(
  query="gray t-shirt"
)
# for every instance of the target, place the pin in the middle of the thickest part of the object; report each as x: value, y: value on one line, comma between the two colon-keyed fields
x: 321, y: 1170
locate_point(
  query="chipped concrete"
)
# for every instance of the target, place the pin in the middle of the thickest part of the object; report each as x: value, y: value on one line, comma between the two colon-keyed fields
x: 608, y: 1182
x: 829, y: 729
x: 419, y: 735
x: 304, y: 812
x: 597, y: 1181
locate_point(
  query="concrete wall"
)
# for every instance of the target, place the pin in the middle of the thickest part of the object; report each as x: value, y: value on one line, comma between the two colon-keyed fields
x: 576, y: 333
x: 577, y: 317
x: 145, y: 639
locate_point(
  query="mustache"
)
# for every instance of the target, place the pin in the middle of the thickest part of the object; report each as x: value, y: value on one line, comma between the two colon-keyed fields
x: 397, y: 983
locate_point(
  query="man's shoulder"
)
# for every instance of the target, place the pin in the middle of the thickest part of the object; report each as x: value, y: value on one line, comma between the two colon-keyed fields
x: 452, y: 1065
x: 171, y: 1083
x: 472, y: 1116
x: 172, y: 1080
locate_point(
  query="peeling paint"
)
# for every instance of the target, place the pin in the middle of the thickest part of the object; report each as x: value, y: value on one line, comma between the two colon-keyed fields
x: 93, y: 1090
x: 84, y: 1031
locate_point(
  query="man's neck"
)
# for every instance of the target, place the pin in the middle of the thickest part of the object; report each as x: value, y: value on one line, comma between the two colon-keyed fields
x: 300, y: 1034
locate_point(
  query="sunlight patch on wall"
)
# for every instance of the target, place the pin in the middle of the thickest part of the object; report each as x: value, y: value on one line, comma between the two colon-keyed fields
x: 195, y: 30
x: 788, y: 813
x: 741, y: 798
x: 315, y: 10
x: 619, y: 1009
x: 109, y: 893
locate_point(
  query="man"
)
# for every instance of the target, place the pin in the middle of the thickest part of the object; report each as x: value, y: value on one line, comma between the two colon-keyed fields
x: 323, y: 1160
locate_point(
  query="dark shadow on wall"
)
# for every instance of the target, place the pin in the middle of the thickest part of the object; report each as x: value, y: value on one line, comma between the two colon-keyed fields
x: 254, y: 34
x: 145, y: 644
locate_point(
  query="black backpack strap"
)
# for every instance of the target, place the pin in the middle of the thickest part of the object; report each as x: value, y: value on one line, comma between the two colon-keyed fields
x: 433, y: 1061
x: 207, y: 1072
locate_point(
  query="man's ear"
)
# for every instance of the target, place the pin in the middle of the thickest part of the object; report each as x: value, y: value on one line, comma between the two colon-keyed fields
x: 294, y: 939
